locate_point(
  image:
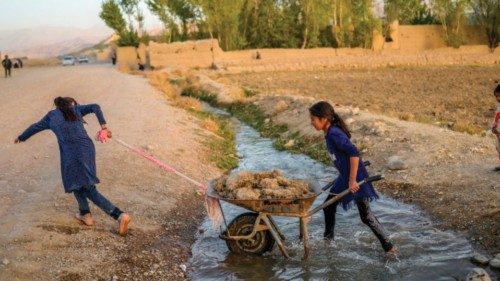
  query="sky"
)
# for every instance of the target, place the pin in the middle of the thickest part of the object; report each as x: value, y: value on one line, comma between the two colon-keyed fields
x: 20, y: 14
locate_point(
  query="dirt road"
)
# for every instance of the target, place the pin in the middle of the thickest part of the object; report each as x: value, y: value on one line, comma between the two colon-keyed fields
x: 39, y: 239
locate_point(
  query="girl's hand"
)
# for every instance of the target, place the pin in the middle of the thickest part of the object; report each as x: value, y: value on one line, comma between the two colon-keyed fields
x: 353, y: 186
x: 103, y: 135
x: 17, y: 140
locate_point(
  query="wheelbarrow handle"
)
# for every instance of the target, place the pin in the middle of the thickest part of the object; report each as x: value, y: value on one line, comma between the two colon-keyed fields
x: 366, y: 163
x: 342, y: 194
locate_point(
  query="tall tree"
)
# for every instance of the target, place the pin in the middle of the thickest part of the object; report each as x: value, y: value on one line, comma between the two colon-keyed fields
x: 487, y: 15
x: 451, y: 14
x: 408, y: 11
x: 222, y: 19
x: 112, y: 16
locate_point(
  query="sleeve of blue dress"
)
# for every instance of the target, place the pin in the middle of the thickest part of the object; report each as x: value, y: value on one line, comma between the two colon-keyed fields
x: 92, y: 108
x: 344, y: 144
x: 35, y: 128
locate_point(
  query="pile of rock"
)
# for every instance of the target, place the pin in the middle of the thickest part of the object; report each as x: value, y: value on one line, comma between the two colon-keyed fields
x: 263, y: 185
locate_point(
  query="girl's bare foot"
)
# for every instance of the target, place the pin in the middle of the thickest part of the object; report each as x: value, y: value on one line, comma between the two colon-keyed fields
x: 124, y: 220
x: 392, y: 251
x: 85, y: 219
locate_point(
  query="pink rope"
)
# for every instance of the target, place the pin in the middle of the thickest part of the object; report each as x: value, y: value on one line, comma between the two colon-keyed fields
x: 202, y: 187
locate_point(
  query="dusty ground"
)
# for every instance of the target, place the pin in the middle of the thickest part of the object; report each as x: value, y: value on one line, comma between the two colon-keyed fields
x: 460, y: 97
x: 39, y: 239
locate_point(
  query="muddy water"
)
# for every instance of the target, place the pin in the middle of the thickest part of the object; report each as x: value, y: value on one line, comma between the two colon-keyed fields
x: 426, y: 253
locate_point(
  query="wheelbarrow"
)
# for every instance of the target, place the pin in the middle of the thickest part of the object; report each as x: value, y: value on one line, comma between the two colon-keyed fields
x: 256, y: 232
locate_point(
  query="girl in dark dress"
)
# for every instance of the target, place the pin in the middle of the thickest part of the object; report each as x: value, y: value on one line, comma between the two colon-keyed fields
x: 346, y: 160
x: 77, y: 154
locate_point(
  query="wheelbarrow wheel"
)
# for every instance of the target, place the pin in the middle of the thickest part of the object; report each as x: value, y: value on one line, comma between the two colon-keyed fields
x: 242, y: 225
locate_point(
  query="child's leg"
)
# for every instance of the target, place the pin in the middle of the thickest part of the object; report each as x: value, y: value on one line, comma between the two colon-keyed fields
x: 368, y: 218
x: 330, y: 212
x: 81, y: 199
x: 498, y: 147
x: 102, y: 202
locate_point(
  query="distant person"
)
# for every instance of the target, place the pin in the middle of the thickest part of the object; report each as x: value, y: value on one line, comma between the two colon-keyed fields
x: 77, y: 154
x: 20, y: 63
x: 346, y: 159
x: 7, y: 65
x: 496, y: 123
x: 113, y: 57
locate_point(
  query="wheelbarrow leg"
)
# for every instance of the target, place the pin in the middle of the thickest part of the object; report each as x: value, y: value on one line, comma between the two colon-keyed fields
x: 276, y: 236
x: 305, y: 237
x: 271, y: 219
x: 301, y: 233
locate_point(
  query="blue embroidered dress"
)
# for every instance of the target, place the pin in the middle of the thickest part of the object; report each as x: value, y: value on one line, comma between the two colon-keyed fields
x: 76, y: 149
x: 341, y: 149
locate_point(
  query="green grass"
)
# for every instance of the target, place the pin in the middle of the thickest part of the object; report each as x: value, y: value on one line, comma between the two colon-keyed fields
x: 223, y: 151
x: 257, y: 119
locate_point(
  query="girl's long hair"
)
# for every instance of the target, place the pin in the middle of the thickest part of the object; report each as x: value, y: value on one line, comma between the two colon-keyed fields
x: 65, y: 106
x: 323, y: 109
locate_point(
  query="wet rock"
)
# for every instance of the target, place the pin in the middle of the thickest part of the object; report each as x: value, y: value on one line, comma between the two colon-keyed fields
x: 5, y: 261
x: 290, y: 143
x: 183, y: 267
x: 280, y: 106
x: 495, y: 263
x: 396, y: 163
x: 478, y: 274
x: 354, y: 111
x: 349, y: 121
x: 480, y: 259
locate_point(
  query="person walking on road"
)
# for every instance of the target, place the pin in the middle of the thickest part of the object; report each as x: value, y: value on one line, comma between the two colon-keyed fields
x: 7, y: 65
x: 77, y: 154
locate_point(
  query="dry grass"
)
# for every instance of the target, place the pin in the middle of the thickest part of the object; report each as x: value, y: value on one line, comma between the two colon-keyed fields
x: 160, y: 80
x: 210, y: 124
x: 188, y: 103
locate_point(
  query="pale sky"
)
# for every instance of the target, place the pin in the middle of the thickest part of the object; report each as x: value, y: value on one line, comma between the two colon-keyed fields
x: 19, y: 14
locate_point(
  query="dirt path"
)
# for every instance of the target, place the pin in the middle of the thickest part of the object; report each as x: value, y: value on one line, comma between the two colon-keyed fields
x: 39, y: 237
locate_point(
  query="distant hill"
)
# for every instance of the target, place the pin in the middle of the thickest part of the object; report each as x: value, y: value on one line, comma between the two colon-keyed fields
x: 43, y: 42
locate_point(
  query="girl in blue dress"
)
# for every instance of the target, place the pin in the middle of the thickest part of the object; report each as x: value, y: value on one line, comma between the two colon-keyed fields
x: 77, y: 154
x: 345, y: 158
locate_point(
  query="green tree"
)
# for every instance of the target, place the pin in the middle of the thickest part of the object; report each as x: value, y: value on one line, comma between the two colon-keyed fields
x: 222, y: 20
x: 487, y: 15
x: 451, y: 14
x: 353, y: 23
x: 408, y: 11
x: 161, y: 9
x: 112, y: 16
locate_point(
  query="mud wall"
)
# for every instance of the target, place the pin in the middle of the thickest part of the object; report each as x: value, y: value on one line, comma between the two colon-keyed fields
x: 411, y: 45
x: 190, y: 53
x: 417, y: 38
x: 126, y: 57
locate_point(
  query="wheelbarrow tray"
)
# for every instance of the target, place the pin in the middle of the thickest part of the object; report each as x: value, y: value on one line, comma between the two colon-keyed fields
x: 294, y: 207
